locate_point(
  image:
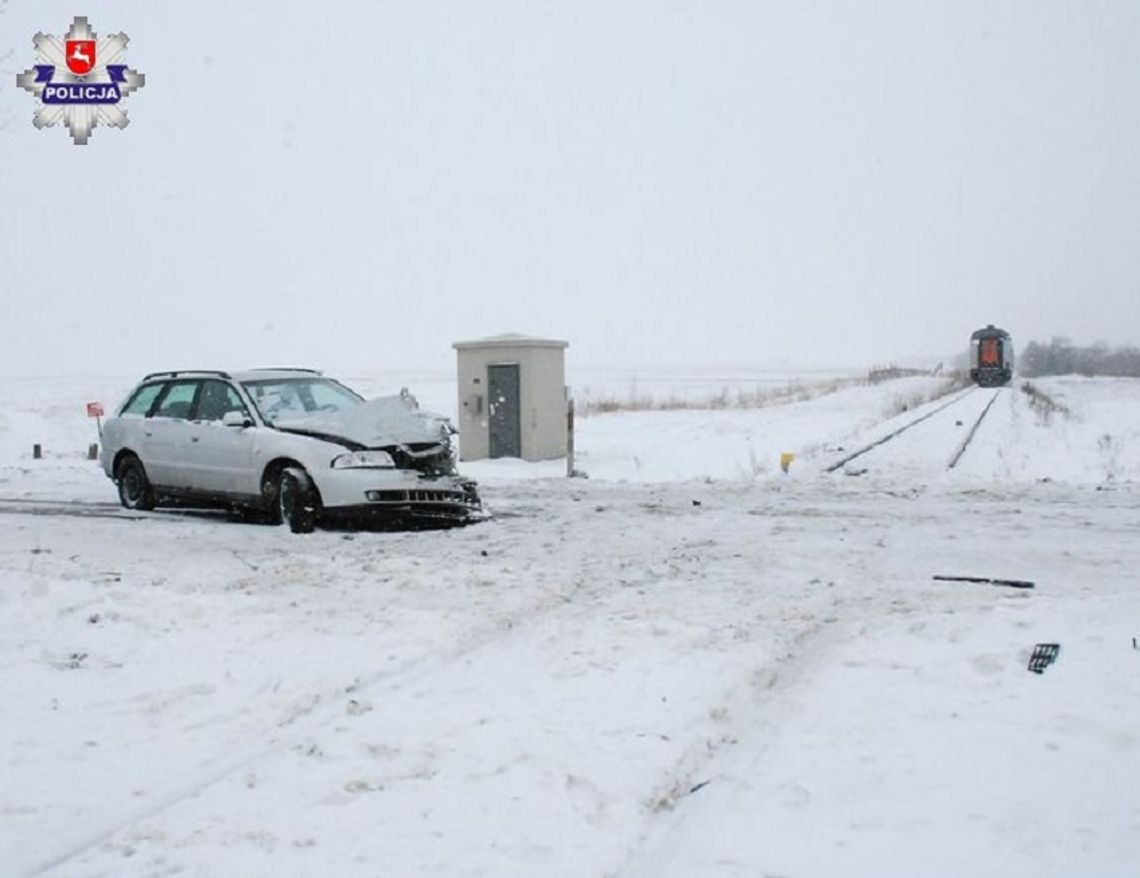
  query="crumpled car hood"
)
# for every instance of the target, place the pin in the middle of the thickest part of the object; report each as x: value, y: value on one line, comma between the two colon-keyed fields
x: 380, y: 422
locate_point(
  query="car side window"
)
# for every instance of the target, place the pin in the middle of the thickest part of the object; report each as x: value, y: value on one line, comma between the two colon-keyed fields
x: 216, y: 400
x: 178, y: 399
x: 143, y: 399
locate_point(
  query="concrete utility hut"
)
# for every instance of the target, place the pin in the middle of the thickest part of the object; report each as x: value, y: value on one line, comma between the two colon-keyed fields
x: 512, y: 397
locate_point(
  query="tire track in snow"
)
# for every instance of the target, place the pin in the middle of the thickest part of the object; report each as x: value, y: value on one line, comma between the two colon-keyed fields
x: 777, y: 690
x: 93, y: 509
x: 327, y: 706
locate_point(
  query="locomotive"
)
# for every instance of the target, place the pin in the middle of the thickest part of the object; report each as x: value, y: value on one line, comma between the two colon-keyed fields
x: 991, y: 357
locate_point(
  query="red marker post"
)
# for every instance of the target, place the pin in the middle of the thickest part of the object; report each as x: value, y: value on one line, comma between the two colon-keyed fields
x: 95, y: 410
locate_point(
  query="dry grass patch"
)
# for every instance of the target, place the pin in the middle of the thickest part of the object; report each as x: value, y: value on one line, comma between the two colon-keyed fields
x: 761, y: 397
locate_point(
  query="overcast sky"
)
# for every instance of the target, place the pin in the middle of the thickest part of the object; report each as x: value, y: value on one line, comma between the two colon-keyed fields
x: 360, y: 184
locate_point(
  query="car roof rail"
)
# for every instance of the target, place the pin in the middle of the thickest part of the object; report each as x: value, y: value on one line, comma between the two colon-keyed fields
x: 175, y: 374
x: 286, y: 369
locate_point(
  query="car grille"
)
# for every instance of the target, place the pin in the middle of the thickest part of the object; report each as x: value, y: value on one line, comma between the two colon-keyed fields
x: 421, y: 495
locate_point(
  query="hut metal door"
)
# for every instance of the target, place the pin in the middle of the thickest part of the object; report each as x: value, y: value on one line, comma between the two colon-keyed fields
x: 503, y: 407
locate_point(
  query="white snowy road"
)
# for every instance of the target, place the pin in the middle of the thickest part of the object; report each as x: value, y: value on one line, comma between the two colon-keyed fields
x: 607, y: 679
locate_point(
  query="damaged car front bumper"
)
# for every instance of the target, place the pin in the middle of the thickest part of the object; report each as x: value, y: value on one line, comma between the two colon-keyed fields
x: 374, y: 493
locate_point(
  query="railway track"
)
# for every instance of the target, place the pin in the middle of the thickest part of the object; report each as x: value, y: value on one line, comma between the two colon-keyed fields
x: 974, y: 429
x: 894, y: 434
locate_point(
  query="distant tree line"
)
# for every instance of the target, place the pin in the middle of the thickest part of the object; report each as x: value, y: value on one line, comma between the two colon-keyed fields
x: 1061, y: 357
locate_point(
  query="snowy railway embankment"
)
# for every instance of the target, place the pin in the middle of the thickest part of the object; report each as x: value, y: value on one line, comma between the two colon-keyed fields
x: 688, y: 664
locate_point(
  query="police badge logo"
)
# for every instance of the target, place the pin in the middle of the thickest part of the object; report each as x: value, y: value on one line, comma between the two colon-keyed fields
x: 80, y: 56
x: 80, y: 80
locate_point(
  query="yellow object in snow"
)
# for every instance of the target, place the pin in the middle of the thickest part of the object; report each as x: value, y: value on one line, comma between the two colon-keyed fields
x: 786, y: 458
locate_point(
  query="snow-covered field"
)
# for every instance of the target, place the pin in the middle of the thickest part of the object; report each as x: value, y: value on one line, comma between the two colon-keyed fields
x: 688, y: 664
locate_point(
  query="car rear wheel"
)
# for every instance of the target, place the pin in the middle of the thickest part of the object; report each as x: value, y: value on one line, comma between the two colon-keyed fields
x: 134, y: 487
x: 297, y: 502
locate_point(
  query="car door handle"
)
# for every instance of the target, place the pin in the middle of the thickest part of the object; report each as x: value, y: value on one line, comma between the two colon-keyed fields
x: 193, y: 438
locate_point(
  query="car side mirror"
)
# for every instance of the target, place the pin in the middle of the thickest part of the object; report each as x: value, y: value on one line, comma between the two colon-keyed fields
x: 236, y: 419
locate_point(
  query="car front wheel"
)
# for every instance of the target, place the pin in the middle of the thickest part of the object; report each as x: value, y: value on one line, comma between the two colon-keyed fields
x: 297, y: 500
x: 134, y: 487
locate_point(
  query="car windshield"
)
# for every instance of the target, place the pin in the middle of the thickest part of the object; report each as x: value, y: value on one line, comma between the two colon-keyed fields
x: 290, y: 398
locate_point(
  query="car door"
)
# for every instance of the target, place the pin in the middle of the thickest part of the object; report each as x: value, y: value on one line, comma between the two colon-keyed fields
x: 221, y: 457
x: 166, y: 435
x: 128, y: 429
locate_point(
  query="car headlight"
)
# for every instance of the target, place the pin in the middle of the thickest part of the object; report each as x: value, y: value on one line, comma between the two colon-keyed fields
x: 354, y: 459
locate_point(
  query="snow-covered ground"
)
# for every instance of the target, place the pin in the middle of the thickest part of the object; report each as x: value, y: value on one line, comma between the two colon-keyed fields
x: 688, y: 664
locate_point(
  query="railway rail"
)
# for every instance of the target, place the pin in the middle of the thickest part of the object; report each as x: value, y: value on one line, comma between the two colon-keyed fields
x: 958, y: 453
x: 973, y: 430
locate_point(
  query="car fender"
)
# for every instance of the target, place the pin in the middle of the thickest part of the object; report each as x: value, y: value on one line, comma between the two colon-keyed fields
x: 118, y: 436
x: 310, y: 452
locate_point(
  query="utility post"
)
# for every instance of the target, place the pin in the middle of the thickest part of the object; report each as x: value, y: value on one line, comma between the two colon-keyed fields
x: 569, y: 435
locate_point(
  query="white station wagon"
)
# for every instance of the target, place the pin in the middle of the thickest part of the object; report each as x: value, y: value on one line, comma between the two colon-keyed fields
x: 290, y: 443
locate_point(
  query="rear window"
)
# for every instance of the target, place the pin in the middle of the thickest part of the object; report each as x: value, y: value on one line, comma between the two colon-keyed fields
x: 143, y: 399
